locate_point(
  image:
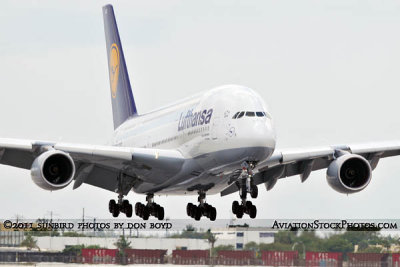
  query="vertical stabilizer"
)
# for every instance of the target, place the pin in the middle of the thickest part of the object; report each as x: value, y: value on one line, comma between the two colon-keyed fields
x: 123, y: 103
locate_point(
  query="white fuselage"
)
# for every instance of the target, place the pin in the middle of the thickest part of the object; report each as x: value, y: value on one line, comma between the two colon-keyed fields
x: 203, y: 129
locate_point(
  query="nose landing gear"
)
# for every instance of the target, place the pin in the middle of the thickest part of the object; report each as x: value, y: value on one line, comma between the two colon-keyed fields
x: 203, y: 209
x: 246, y: 185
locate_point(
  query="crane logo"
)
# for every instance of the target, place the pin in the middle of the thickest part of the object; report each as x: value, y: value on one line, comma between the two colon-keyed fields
x: 114, y: 69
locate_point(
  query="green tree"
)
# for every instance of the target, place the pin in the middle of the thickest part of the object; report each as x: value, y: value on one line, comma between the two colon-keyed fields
x: 122, y: 244
x: 355, y: 237
x: 285, y: 237
x: 211, y: 238
x: 190, y: 228
x: 311, y: 241
x: 386, y: 244
x: 29, y: 242
x: 275, y: 247
x: 77, y: 249
x: 74, y: 249
x: 190, y: 232
x: 362, y: 245
x: 251, y: 246
x: 371, y: 249
x: 337, y: 243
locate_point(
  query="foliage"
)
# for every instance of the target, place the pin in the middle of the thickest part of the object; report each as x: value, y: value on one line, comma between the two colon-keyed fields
x: 339, y: 242
x: 251, y: 246
x: 211, y: 238
x: 122, y: 244
x: 29, y: 242
x: 285, y: 237
x: 77, y: 249
x: 44, y: 232
x: 190, y: 232
x: 73, y: 249
x: 371, y: 249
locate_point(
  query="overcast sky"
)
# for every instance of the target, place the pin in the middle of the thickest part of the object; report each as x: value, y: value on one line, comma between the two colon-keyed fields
x: 329, y: 71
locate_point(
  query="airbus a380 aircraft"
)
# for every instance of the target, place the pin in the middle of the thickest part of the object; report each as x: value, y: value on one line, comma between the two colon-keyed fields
x: 222, y: 141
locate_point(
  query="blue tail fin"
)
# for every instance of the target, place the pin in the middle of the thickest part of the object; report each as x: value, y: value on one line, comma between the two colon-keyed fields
x: 123, y: 104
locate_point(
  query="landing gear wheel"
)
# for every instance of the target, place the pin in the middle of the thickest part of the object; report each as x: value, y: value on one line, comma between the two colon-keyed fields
x: 235, y: 206
x: 253, y: 211
x: 246, y: 185
x: 125, y: 205
x: 115, y: 211
x: 240, y: 211
x: 137, y: 208
x: 202, y: 209
x: 128, y: 211
x: 189, y: 209
x: 145, y: 213
x: 254, y: 191
x: 213, y: 213
x: 111, y: 205
x: 248, y: 205
x: 197, y: 214
x: 160, y: 213
x: 207, y: 209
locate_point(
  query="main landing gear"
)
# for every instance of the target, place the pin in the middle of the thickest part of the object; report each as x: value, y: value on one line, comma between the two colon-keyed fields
x: 203, y: 209
x: 151, y: 208
x: 122, y: 206
x: 246, y: 185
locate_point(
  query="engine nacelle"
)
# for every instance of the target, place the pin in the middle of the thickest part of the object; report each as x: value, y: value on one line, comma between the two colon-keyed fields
x: 53, y: 170
x: 349, y: 173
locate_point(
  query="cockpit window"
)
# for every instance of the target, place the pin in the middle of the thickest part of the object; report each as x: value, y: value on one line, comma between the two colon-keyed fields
x: 260, y: 114
x: 240, y: 114
x: 267, y: 115
x: 250, y: 114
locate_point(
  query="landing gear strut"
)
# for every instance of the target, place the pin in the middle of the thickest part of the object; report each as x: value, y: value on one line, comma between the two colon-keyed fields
x: 121, y: 206
x: 203, y: 209
x: 150, y: 209
x: 246, y: 185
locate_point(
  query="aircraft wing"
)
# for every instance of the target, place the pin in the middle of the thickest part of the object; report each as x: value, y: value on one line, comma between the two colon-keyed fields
x: 99, y: 165
x: 302, y: 161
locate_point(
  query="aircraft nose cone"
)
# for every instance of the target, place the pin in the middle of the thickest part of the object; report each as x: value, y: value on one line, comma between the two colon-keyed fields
x: 258, y: 133
x: 264, y: 134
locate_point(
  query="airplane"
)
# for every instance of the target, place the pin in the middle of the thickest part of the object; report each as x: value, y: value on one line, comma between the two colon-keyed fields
x: 222, y: 141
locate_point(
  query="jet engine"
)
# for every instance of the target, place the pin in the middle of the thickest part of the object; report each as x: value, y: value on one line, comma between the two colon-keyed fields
x: 349, y: 173
x: 53, y: 170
